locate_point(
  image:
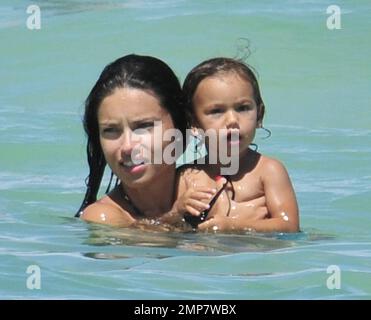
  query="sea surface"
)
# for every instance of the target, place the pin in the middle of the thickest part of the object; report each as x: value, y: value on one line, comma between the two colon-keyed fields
x: 316, y: 85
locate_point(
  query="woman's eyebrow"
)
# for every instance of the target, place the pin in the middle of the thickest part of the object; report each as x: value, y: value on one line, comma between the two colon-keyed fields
x: 145, y: 119
x: 107, y: 122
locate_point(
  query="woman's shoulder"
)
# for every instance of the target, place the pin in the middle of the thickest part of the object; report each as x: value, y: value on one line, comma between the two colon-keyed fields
x: 106, y: 211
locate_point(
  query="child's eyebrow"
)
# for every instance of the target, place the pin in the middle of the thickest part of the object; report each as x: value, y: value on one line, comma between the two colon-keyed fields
x: 238, y: 103
x: 215, y: 105
x: 245, y: 100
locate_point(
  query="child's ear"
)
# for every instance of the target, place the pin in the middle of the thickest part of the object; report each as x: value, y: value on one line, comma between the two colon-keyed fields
x: 195, y: 127
x: 194, y: 131
x: 261, y: 111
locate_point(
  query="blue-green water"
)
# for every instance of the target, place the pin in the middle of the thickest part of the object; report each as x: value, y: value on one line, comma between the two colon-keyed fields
x: 316, y: 86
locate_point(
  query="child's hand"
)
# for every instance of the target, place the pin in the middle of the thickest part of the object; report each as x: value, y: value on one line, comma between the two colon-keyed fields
x: 195, y: 200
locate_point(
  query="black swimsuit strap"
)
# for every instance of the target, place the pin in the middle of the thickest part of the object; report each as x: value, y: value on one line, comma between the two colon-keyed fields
x: 194, y: 221
x: 205, y: 213
x: 232, y: 189
x: 233, y: 195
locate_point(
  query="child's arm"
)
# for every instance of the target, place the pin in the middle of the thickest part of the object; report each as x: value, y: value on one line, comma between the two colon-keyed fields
x: 281, y: 209
x: 281, y: 200
x: 190, y: 199
x: 193, y: 199
x: 242, y: 215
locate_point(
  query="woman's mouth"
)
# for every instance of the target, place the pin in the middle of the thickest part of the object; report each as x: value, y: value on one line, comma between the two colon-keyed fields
x: 133, y: 168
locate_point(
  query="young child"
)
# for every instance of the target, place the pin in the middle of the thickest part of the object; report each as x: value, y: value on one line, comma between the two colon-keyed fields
x: 223, y: 93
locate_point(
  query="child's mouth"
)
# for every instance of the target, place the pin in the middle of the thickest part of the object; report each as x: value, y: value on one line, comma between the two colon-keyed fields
x: 233, y: 138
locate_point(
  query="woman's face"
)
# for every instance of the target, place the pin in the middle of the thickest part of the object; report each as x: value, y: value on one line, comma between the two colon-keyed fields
x: 128, y: 120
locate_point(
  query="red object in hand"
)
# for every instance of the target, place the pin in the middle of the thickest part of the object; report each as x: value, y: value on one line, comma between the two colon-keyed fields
x: 217, y: 178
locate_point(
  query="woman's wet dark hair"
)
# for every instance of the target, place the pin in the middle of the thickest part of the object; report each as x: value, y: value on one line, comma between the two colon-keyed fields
x: 213, y: 67
x: 131, y: 71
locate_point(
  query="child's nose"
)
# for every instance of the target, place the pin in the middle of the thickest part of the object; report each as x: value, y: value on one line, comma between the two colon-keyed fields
x: 231, y: 120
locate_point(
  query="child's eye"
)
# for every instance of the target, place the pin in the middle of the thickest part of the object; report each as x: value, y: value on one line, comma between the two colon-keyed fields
x: 215, y: 111
x: 244, y: 107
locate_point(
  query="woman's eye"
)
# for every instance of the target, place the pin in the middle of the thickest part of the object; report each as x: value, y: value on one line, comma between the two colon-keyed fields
x: 145, y: 125
x: 109, y: 130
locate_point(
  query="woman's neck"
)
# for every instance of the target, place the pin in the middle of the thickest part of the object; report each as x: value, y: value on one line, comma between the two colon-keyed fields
x: 155, y: 198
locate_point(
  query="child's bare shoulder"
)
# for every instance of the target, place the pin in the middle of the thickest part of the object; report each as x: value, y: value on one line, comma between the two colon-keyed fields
x: 270, y: 166
x: 107, y: 212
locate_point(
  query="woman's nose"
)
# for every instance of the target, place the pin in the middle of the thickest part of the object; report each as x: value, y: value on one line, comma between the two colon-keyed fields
x: 128, y: 143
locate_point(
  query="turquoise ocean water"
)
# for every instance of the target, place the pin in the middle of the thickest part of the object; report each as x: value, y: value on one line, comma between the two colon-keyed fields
x: 316, y: 86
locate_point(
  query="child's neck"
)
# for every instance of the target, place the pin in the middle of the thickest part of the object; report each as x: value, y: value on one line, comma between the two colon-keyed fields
x: 245, y: 160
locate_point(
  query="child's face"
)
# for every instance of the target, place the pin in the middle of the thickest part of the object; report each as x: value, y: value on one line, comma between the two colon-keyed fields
x: 226, y: 101
x: 127, y: 122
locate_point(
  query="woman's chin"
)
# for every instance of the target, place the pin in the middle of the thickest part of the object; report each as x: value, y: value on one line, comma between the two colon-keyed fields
x: 140, y: 176
x: 143, y: 175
